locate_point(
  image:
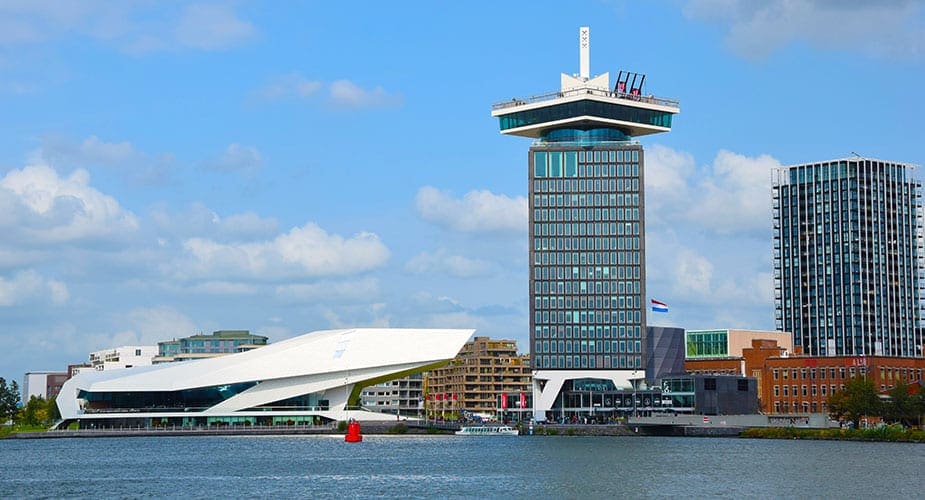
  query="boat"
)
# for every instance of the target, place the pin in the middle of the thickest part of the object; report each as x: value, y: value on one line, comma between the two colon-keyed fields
x: 488, y: 430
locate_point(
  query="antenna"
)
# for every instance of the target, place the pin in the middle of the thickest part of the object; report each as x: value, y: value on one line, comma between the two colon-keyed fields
x: 584, y: 51
x: 855, y: 154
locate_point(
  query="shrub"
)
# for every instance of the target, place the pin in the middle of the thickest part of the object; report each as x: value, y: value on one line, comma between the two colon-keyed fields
x: 398, y: 429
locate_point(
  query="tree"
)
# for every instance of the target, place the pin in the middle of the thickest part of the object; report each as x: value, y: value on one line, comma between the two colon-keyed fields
x: 904, y: 404
x: 857, y: 399
x: 37, y: 411
x: 9, y: 400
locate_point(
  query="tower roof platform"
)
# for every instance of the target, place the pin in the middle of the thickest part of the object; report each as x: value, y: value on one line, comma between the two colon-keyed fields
x: 585, y: 108
x: 586, y: 103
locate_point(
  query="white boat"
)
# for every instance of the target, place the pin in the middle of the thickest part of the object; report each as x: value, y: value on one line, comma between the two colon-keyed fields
x: 487, y: 430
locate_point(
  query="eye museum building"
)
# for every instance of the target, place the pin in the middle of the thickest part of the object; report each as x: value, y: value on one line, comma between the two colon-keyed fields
x: 309, y: 379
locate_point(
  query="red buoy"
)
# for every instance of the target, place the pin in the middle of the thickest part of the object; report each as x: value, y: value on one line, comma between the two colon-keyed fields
x: 353, y: 432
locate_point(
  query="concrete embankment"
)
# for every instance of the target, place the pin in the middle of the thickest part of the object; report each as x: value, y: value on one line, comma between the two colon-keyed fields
x: 385, y: 427
x: 404, y: 427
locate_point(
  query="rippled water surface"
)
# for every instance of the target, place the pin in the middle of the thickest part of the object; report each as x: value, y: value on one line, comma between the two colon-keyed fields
x: 451, y: 466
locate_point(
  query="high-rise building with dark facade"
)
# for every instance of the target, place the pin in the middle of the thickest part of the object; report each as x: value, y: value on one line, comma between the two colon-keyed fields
x: 587, y: 229
x: 848, y: 258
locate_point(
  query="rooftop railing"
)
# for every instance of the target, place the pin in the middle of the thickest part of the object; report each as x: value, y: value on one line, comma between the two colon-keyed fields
x: 549, y: 96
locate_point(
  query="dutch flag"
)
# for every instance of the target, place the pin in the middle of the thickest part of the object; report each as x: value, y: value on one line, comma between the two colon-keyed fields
x: 659, y: 307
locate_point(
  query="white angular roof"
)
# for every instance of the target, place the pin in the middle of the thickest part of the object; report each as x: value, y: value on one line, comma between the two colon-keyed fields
x: 307, y: 363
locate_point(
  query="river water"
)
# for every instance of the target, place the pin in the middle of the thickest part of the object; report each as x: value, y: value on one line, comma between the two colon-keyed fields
x: 452, y: 466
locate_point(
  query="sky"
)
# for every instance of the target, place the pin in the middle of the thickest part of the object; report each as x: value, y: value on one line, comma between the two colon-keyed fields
x: 171, y: 168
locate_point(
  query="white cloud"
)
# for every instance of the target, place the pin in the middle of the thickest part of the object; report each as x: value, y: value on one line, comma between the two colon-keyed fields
x: 92, y: 148
x: 306, y: 251
x: 122, y: 157
x: 14, y: 258
x: 330, y: 291
x: 343, y: 94
x: 730, y: 196
x: 667, y: 174
x: 136, y: 27
x: 736, y: 194
x: 894, y: 28
x: 367, y: 315
x: 442, y: 262
x: 148, y: 326
x: 197, y: 220
x: 348, y: 94
x: 289, y: 86
x: 223, y: 288
x: 38, y: 206
x: 693, y: 273
x: 708, y: 238
x: 211, y: 27
x: 477, y: 211
x: 30, y: 285
x: 237, y: 158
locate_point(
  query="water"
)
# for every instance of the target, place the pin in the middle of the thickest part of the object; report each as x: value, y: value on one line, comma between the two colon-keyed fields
x: 451, y: 466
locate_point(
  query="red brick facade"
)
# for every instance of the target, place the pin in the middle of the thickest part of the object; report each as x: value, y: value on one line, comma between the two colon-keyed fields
x: 803, y: 384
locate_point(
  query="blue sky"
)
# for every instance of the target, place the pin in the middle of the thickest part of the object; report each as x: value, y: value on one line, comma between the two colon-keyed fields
x: 168, y: 168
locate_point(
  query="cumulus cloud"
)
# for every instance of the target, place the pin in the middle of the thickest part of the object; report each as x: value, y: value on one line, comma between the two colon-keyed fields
x: 236, y: 158
x: 197, y: 220
x: 348, y: 94
x: 343, y: 94
x: 353, y: 316
x: 365, y: 289
x: 442, y: 262
x: 737, y: 196
x: 211, y: 27
x: 219, y: 287
x: 122, y: 157
x: 708, y: 236
x: 693, y: 273
x: 289, y: 86
x: 148, y: 326
x: 37, y: 206
x: 30, y: 285
x: 477, y: 211
x: 730, y: 195
x: 306, y: 251
x: 718, y: 272
x: 755, y: 28
x: 135, y: 27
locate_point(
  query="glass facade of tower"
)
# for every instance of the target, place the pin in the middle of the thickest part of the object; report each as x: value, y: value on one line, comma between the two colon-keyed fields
x: 848, y: 257
x: 587, y: 279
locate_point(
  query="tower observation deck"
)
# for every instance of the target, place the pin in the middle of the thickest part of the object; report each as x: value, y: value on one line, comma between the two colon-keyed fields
x: 586, y: 107
x: 587, y: 235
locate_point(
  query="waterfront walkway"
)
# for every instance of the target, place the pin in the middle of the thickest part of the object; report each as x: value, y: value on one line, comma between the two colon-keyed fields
x: 255, y: 430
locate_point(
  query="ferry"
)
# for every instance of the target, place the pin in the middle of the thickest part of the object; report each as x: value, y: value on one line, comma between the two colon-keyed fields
x: 486, y: 430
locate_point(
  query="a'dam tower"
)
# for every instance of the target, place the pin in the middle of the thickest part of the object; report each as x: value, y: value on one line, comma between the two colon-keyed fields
x: 587, y: 233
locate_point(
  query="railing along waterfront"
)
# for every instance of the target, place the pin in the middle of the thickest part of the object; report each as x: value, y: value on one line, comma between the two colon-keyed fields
x: 202, y: 429
x: 648, y: 99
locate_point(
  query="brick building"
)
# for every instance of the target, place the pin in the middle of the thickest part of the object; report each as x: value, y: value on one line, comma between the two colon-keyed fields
x: 484, y: 372
x: 803, y: 384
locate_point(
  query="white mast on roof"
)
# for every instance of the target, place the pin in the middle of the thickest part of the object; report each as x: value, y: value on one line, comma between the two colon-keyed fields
x: 583, y: 79
x: 584, y: 50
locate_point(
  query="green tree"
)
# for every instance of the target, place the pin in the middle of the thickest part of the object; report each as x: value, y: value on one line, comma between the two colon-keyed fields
x: 53, y: 412
x: 857, y: 399
x: 36, y: 412
x: 9, y: 400
x: 903, y: 406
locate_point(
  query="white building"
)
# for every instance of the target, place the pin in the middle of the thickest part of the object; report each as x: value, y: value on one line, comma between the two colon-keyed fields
x: 37, y: 384
x: 127, y: 356
x: 313, y: 378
